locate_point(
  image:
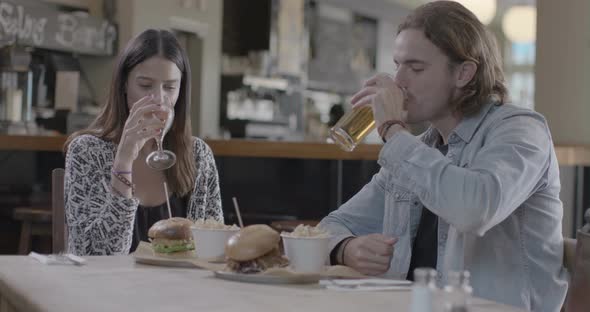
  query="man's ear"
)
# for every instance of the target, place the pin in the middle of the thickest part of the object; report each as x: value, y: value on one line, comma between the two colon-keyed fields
x: 464, y: 73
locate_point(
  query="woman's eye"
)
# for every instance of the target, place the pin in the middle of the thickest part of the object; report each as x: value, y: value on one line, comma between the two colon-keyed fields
x: 417, y: 70
x: 170, y: 87
x: 144, y: 86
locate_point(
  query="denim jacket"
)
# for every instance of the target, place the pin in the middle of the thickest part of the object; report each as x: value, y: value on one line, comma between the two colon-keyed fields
x: 496, y: 193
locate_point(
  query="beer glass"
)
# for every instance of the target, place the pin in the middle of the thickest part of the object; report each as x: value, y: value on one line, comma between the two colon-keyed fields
x: 353, y: 127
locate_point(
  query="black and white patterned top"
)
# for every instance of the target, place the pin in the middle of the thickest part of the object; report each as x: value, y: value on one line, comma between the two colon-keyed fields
x: 100, y: 221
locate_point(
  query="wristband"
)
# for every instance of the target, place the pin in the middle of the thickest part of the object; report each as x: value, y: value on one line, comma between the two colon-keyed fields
x: 382, y: 130
x: 340, y: 259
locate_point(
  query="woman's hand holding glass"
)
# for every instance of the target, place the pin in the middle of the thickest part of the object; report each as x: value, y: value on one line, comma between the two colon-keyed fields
x: 147, y: 119
x: 162, y: 159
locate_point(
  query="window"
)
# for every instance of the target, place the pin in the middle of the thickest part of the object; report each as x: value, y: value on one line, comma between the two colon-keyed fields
x: 519, y: 67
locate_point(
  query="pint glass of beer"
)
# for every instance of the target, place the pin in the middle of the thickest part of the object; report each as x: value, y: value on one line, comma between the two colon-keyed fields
x: 353, y: 127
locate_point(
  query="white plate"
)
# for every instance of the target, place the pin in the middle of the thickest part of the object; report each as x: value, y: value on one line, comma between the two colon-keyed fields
x: 368, y: 282
x: 268, y: 278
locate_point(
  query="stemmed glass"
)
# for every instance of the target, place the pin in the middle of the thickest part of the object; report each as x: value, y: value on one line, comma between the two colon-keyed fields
x: 162, y: 159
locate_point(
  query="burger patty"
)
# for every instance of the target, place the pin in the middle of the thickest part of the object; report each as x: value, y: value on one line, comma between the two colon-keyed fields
x: 260, y: 264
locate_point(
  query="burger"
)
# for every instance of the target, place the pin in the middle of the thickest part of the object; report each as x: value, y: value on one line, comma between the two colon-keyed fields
x: 254, y: 249
x: 172, y: 236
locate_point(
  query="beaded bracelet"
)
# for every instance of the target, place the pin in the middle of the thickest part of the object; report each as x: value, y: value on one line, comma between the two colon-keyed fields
x: 114, y: 190
x: 125, y: 181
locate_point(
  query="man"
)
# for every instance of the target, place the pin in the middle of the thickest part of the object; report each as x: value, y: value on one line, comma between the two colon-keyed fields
x: 478, y: 191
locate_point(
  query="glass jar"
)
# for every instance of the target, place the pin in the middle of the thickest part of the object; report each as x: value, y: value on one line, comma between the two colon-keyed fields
x: 423, y: 290
x: 457, y: 293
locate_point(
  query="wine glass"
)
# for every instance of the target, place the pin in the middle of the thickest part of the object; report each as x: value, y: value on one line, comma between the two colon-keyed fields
x: 161, y: 159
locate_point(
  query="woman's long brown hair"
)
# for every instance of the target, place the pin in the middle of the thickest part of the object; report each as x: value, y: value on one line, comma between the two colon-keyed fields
x: 109, y: 124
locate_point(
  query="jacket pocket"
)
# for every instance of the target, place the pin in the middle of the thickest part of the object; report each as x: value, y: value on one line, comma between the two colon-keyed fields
x: 397, y: 211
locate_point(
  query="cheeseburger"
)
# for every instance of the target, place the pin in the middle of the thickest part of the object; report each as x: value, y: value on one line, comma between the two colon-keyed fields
x: 171, y: 235
x: 254, y: 249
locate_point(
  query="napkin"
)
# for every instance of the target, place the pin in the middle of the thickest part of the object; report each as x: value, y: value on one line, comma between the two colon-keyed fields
x: 368, y: 284
x: 58, y: 259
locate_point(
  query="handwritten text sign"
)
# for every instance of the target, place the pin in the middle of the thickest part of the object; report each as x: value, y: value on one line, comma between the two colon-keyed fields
x: 34, y: 23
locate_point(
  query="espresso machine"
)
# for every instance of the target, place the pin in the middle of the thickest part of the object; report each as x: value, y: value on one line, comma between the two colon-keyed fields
x: 16, y: 91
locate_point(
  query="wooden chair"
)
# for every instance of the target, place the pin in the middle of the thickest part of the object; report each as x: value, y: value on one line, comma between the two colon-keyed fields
x: 577, y: 262
x: 59, y: 229
x: 34, y: 222
x: 569, y: 253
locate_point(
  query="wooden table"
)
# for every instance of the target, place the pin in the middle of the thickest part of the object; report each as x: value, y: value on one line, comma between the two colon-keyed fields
x: 118, y: 284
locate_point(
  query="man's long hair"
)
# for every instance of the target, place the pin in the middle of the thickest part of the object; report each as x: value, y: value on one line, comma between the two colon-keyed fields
x: 462, y: 37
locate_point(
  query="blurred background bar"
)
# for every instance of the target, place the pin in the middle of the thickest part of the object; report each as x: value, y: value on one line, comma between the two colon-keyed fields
x: 270, y: 77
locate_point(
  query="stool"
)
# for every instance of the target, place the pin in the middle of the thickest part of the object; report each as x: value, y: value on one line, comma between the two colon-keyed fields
x: 35, y: 222
x: 290, y: 225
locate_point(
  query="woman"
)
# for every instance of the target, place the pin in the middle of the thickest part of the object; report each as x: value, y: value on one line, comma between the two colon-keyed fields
x: 111, y: 196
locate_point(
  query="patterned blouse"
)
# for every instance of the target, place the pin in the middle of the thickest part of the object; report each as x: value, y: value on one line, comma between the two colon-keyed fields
x: 100, y: 221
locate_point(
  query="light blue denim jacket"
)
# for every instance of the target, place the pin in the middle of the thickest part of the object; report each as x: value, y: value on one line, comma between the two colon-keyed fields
x: 496, y: 194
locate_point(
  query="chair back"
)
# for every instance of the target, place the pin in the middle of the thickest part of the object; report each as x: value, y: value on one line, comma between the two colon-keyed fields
x: 569, y: 253
x: 59, y: 229
x: 577, y: 261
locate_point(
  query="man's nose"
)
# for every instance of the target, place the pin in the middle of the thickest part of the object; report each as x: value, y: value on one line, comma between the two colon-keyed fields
x: 400, y: 80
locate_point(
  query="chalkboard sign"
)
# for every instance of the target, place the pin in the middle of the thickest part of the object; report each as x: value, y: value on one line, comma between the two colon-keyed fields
x: 343, y: 50
x: 38, y: 24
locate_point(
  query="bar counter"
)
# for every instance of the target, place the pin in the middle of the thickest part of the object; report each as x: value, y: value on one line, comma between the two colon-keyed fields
x: 234, y: 147
x: 567, y: 155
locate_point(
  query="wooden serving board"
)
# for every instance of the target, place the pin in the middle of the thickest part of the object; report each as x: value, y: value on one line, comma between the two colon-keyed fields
x: 144, y: 254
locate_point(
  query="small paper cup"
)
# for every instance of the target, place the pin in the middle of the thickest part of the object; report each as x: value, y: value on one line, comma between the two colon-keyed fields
x: 306, y: 254
x: 210, y: 243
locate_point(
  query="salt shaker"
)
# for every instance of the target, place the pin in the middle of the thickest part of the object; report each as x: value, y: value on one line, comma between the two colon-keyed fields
x: 423, y: 290
x: 457, y: 292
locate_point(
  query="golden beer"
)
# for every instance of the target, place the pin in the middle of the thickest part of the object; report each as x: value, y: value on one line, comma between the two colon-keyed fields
x: 353, y: 127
